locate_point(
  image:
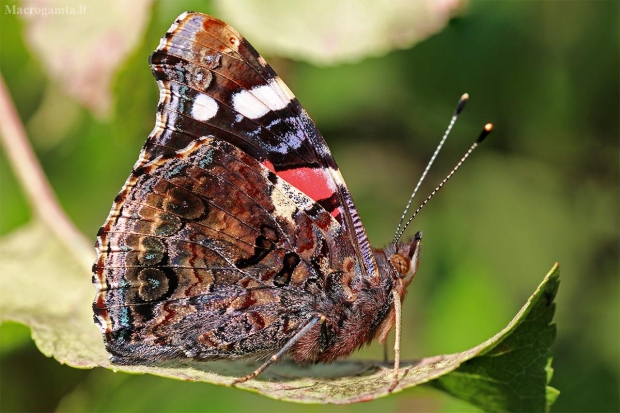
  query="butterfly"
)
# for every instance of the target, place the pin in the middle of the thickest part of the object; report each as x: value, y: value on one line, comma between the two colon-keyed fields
x: 235, y: 236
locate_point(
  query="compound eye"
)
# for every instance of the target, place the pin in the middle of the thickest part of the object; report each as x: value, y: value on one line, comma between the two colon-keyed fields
x: 401, y: 264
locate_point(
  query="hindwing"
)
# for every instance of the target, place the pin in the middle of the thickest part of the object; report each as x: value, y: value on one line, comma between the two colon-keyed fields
x: 207, y: 253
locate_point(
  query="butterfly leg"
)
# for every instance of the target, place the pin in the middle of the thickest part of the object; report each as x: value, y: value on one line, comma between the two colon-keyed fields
x: 397, y: 311
x: 287, y: 346
x: 385, y: 351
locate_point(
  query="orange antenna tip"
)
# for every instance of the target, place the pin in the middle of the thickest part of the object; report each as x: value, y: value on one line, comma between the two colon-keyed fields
x: 485, y: 132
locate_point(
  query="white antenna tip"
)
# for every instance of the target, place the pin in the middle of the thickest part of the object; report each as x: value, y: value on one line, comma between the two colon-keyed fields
x: 462, y: 101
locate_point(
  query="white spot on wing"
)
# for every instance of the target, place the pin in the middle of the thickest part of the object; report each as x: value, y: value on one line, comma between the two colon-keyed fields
x: 284, y: 208
x: 284, y: 91
x: 248, y: 105
x: 259, y: 100
x: 204, y: 107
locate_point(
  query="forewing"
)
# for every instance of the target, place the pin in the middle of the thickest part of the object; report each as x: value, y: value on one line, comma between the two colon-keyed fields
x: 213, y: 83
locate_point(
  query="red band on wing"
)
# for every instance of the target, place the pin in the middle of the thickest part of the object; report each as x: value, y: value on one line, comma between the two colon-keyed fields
x: 336, y: 214
x: 269, y: 165
x: 313, y: 182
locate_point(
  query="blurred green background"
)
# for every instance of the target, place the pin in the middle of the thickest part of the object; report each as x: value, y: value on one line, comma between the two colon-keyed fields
x: 544, y: 188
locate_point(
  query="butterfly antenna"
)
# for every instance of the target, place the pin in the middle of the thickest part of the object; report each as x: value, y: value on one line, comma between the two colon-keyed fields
x: 485, y: 132
x: 457, y: 112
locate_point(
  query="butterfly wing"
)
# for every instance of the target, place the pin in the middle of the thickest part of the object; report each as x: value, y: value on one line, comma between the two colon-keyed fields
x: 235, y: 215
x: 213, y: 82
x: 184, y: 270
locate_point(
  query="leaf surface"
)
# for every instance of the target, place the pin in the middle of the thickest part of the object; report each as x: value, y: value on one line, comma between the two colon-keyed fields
x: 326, y: 32
x: 42, y: 287
x: 102, y: 35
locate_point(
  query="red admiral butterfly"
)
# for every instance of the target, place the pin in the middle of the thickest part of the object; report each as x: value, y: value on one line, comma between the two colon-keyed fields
x: 235, y: 236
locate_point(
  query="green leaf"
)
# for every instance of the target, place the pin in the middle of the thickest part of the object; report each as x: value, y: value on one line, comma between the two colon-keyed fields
x: 88, y: 78
x: 42, y: 287
x: 330, y: 32
x: 512, y: 370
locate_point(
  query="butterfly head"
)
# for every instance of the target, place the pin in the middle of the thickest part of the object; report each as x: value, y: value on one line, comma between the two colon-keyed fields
x: 400, y: 263
x: 406, y: 258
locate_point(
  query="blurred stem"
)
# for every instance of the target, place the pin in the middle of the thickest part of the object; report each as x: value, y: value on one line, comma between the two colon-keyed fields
x: 38, y: 191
